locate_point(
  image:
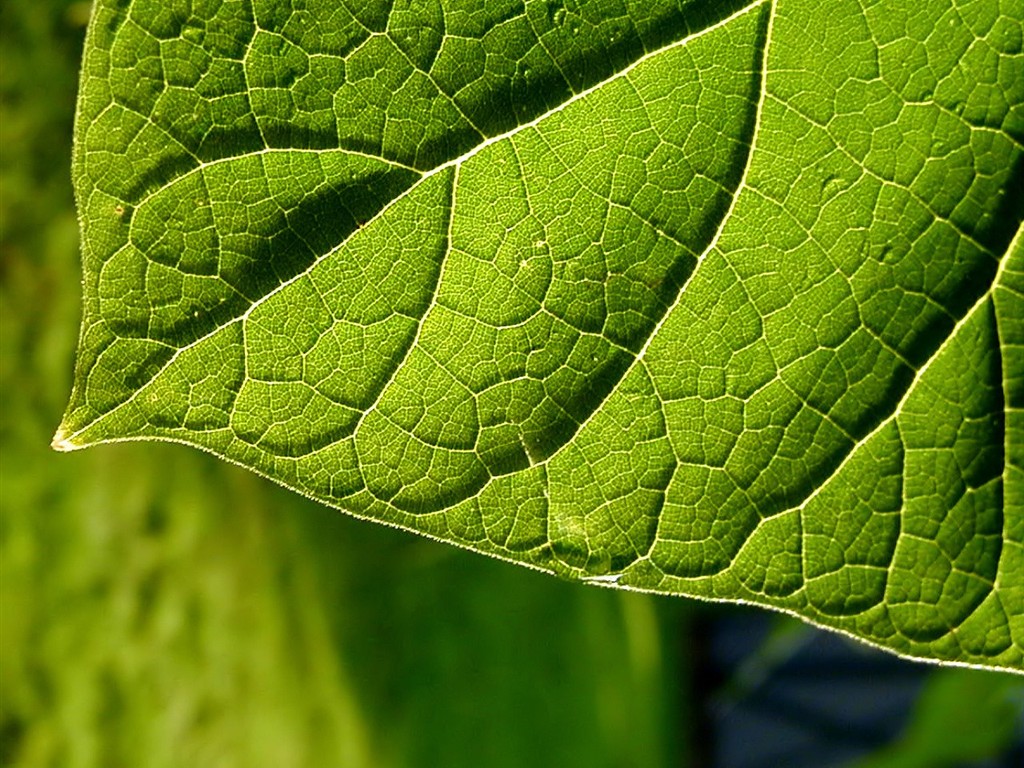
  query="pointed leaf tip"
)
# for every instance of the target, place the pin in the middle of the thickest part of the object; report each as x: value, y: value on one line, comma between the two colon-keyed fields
x: 62, y: 442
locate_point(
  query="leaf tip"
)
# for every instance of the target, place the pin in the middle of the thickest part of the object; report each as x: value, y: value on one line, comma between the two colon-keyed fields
x: 63, y: 442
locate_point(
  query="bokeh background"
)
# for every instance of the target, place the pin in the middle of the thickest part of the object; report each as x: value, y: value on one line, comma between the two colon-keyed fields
x: 161, y: 608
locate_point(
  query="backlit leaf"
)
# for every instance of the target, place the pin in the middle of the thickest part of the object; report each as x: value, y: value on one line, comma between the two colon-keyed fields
x: 723, y: 299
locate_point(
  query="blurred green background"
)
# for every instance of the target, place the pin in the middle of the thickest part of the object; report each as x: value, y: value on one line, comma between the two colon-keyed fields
x: 162, y: 608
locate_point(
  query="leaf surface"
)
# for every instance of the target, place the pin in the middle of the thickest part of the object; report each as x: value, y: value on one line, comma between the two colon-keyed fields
x: 720, y: 299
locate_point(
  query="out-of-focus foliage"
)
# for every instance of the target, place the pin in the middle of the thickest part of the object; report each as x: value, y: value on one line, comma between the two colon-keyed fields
x: 960, y: 719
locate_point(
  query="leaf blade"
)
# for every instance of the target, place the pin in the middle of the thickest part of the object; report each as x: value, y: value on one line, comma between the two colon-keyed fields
x: 727, y: 316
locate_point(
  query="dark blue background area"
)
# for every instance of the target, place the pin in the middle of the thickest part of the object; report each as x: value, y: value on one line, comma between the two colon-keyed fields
x: 805, y: 698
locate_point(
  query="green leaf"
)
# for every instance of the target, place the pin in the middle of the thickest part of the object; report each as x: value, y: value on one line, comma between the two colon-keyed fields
x: 710, y: 298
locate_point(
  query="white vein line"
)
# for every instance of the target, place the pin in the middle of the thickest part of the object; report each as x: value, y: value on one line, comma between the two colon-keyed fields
x: 638, y: 360
x: 414, y: 344
x: 911, y: 389
x: 1016, y: 245
x: 66, y: 442
x: 641, y: 354
x: 623, y: 73
x: 202, y: 166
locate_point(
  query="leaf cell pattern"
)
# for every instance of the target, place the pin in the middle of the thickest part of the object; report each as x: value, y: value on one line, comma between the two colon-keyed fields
x: 720, y: 299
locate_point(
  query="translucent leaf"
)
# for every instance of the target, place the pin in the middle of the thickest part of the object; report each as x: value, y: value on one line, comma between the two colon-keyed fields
x: 718, y: 299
